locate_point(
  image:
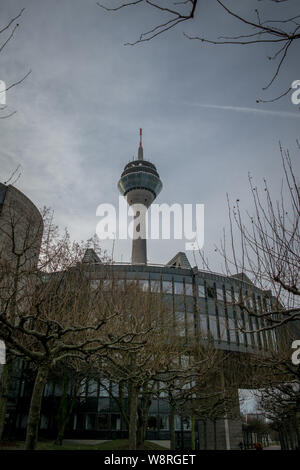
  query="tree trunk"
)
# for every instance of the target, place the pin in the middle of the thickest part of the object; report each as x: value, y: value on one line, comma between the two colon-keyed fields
x: 283, y: 442
x: 199, y: 434
x: 172, y: 428
x: 141, y: 433
x: 143, y: 412
x: 133, y: 418
x: 4, y: 386
x: 215, y: 433
x: 205, y: 434
x: 297, y: 429
x: 64, y: 412
x: 35, y: 408
x: 193, y: 432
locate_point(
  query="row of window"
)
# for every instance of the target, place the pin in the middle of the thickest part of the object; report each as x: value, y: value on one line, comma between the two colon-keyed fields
x: 111, y: 421
x: 231, y: 296
x: 220, y: 316
x: 206, y: 290
x: 154, y: 285
x: 93, y: 389
x: 222, y: 329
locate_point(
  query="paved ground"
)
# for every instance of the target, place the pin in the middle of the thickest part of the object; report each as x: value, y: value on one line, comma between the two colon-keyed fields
x: 166, y: 444
x: 88, y: 442
x: 92, y: 442
x: 272, y: 448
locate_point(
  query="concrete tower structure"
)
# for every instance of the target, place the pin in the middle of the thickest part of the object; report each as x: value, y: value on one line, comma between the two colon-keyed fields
x: 140, y: 185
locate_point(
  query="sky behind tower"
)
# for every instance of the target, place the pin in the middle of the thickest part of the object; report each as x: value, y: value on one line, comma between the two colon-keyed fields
x: 80, y: 110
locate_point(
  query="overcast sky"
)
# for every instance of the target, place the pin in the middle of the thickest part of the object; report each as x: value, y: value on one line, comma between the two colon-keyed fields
x: 80, y: 110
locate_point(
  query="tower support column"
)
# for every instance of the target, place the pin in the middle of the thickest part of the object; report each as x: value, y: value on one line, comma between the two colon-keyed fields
x: 139, y: 245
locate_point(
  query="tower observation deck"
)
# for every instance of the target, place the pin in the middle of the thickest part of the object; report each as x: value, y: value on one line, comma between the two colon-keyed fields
x: 140, y: 184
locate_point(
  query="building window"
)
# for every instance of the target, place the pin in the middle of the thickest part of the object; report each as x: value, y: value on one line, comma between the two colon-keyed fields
x: 190, y: 323
x: 92, y: 388
x: 152, y: 423
x: 268, y: 304
x: 107, y: 283
x: 180, y: 323
x: 102, y: 421
x: 248, y: 335
x: 23, y: 423
x: 163, y: 421
x: 211, y: 306
x: 184, y: 361
x: 162, y: 389
x: 189, y: 289
x: 155, y: 286
x: 22, y: 391
x: 104, y: 388
x: 48, y: 390
x: 144, y: 285
x: 213, y: 326
x: 114, y: 390
x: 121, y: 284
x: 210, y: 292
x: 95, y: 284
x: 167, y: 287
x: 115, y: 422
x: 250, y: 300
x: 178, y: 287
x: 223, y: 328
x: 186, y: 423
x: 82, y: 388
x: 57, y: 390
x: 220, y: 295
x: 203, y: 326
x: 241, y: 334
x: 104, y: 405
x: 228, y: 294
x: 236, y: 297
x: 201, y: 290
x: 232, y: 330
x: 274, y: 340
x: 177, y: 422
x: 90, y: 422
x: 75, y: 422
x: 44, y: 422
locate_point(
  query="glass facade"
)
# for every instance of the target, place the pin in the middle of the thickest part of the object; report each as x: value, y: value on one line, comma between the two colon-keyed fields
x: 139, y: 180
x: 205, y: 307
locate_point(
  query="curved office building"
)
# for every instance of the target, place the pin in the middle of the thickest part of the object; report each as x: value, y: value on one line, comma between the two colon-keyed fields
x: 204, y: 304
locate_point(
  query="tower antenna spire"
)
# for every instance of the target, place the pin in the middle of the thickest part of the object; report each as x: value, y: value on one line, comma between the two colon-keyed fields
x: 140, y: 151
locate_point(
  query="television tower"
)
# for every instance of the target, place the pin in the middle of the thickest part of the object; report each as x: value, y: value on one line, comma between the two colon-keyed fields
x: 140, y: 185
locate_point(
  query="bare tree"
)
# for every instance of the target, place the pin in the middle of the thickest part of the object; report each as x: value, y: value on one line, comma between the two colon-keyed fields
x: 280, y: 33
x: 206, y: 388
x: 138, y: 373
x: 261, y: 248
x: 48, y: 316
x: 7, y: 32
x: 276, y: 382
x: 256, y: 427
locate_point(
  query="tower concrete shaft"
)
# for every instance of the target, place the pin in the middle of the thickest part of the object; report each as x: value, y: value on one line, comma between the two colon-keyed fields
x: 139, y: 184
x: 139, y: 200
x: 139, y: 245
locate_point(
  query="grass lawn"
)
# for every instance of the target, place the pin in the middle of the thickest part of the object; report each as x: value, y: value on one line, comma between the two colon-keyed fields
x: 118, y: 444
